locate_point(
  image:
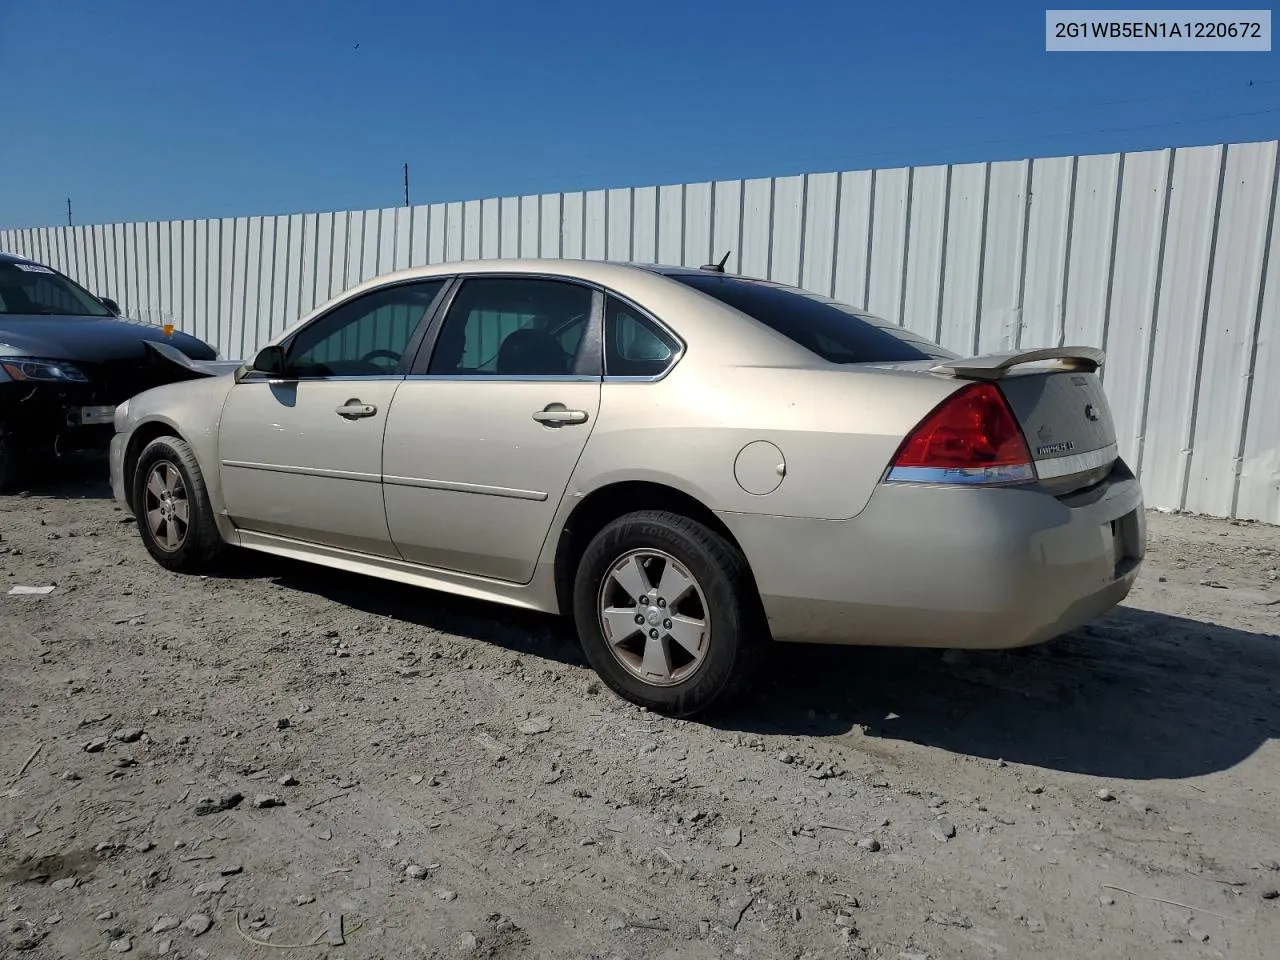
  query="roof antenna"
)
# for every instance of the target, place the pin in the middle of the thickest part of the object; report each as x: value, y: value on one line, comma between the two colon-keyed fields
x: 717, y: 267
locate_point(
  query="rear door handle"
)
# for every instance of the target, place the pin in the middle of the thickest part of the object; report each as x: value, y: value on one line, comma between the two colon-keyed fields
x: 555, y: 415
x: 354, y: 410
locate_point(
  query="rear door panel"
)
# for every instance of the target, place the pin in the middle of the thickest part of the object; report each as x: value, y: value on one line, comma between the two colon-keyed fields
x: 475, y: 461
x: 471, y: 481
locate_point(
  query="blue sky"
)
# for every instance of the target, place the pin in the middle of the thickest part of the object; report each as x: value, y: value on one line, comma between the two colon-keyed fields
x: 147, y: 110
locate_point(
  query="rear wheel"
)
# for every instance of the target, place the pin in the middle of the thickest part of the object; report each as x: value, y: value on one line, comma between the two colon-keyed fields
x: 172, y: 507
x: 666, y: 612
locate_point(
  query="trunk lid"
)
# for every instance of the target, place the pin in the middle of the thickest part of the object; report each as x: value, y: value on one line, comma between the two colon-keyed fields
x: 1057, y: 398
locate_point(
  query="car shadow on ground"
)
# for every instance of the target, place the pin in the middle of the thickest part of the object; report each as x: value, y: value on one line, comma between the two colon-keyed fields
x: 523, y: 631
x: 1136, y: 695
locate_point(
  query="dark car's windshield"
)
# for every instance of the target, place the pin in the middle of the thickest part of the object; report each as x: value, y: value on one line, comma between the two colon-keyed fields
x: 30, y: 288
x: 831, y: 329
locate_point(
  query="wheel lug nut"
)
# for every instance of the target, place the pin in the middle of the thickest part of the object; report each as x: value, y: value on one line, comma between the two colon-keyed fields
x: 639, y: 619
x: 653, y: 634
x: 661, y: 602
x: 666, y: 624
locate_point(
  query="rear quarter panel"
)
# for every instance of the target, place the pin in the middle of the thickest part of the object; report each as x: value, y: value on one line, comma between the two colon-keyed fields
x: 836, y: 429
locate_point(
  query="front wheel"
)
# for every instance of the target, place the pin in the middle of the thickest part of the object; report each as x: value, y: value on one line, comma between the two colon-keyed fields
x: 172, y: 507
x: 667, y: 612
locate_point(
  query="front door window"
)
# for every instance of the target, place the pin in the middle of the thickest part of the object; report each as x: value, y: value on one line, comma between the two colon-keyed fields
x: 364, y: 337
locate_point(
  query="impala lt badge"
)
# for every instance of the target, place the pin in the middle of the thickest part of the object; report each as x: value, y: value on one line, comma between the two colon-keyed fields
x: 1062, y: 446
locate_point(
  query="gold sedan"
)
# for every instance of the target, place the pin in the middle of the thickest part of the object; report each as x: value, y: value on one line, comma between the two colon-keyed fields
x: 690, y: 463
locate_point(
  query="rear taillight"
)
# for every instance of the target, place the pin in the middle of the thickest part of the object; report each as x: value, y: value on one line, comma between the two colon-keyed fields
x: 970, y: 438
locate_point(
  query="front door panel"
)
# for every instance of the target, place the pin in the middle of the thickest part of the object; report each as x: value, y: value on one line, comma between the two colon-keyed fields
x: 292, y: 465
x: 301, y: 452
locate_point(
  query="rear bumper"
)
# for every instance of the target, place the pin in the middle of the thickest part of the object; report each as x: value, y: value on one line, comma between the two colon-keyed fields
x: 939, y: 567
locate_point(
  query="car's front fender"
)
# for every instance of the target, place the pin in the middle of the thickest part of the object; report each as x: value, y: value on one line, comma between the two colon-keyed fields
x: 190, y: 410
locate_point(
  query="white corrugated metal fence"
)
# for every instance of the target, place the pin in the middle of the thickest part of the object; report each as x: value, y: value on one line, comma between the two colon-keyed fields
x: 1160, y: 257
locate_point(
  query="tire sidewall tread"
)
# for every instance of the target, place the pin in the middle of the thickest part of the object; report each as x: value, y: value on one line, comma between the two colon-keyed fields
x: 721, y: 572
x: 203, y: 543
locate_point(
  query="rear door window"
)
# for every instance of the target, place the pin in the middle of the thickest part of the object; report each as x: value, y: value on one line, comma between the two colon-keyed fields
x: 513, y: 327
x: 833, y: 330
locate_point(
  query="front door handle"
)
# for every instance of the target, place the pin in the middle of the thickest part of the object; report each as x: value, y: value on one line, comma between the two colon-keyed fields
x: 556, y: 414
x: 353, y: 410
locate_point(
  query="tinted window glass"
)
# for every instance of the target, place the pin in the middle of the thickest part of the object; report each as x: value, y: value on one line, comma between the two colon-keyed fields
x: 832, y: 330
x: 512, y: 327
x: 364, y: 337
x: 34, y: 289
x: 634, y: 345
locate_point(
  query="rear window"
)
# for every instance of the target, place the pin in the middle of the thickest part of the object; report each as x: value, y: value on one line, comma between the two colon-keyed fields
x: 831, y: 329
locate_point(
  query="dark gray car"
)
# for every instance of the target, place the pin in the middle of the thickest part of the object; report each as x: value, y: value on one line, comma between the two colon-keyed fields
x: 66, y: 360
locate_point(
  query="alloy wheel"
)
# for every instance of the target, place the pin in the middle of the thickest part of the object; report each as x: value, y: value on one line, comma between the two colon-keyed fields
x: 167, y: 509
x: 655, y: 618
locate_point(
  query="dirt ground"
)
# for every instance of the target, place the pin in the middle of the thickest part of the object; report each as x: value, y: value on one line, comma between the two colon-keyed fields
x: 453, y: 782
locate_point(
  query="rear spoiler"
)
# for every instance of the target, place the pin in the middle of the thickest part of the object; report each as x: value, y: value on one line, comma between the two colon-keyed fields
x: 993, y: 366
x: 195, y: 368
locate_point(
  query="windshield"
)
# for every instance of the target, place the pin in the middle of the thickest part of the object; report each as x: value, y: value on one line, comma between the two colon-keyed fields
x: 833, y: 330
x: 30, y: 288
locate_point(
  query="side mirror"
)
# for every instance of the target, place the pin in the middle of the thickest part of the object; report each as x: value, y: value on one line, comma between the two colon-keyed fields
x: 111, y: 305
x: 270, y: 360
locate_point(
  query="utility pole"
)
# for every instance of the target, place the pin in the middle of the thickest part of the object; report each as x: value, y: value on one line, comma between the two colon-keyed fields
x: 406, y: 184
x: 68, y: 211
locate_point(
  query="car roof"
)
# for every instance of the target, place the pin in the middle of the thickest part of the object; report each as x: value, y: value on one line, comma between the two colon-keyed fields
x: 598, y: 271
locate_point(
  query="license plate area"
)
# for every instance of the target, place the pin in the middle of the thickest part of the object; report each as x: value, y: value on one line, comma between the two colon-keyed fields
x: 92, y: 416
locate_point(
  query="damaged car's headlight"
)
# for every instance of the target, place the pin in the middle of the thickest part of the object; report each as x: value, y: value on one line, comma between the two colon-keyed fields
x: 41, y: 371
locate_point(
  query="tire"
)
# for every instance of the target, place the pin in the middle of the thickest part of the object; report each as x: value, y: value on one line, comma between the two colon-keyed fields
x: 717, y: 613
x: 167, y: 475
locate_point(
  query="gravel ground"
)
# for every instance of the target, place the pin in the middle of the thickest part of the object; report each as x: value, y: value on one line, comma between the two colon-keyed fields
x: 421, y: 776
